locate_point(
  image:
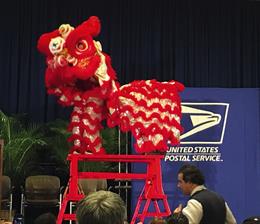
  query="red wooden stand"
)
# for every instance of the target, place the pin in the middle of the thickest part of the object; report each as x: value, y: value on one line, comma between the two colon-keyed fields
x: 152, y: 191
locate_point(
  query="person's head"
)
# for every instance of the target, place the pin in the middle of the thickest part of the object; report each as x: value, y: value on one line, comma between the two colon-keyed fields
x: 101, y: 207
x: 189, y: 176
x: 46, y: 218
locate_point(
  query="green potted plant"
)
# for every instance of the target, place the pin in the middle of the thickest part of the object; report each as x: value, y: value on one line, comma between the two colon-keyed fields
x: 20, y: 141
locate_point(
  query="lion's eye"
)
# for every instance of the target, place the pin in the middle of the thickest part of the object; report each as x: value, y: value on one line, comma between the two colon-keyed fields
x: 82, y: 45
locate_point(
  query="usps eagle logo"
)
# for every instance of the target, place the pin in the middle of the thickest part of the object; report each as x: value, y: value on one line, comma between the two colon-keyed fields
x: 204, y: 123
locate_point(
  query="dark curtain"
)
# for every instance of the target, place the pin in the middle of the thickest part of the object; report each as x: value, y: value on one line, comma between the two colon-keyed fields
x: 199, y: 43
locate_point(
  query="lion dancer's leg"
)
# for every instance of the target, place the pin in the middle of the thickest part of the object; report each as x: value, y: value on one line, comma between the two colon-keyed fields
x: 86, y: 125
x: 76, y: 130
x: 91, y: 124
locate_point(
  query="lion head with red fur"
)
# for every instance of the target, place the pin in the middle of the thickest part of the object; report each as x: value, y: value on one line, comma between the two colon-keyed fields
x: 76, y: 65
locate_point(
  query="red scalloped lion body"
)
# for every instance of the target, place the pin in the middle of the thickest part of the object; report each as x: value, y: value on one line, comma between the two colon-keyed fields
x: 81, y: 76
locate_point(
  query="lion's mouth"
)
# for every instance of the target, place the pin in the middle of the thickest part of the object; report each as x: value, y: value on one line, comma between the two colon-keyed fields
x: 86, y: 85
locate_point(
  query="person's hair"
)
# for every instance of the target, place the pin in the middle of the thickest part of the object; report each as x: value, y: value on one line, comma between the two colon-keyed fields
x: 101, y: 207
x: 158, y: 220
x: 177, y: 218
x: 192, y: 174
x: 252, y: 220
x: 45, y: 218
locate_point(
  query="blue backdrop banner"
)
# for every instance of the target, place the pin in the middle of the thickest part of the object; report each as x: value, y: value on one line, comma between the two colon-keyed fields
x: 221, y: 136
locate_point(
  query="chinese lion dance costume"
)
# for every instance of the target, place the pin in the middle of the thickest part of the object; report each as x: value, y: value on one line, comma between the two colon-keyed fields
x: 81, y: 76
